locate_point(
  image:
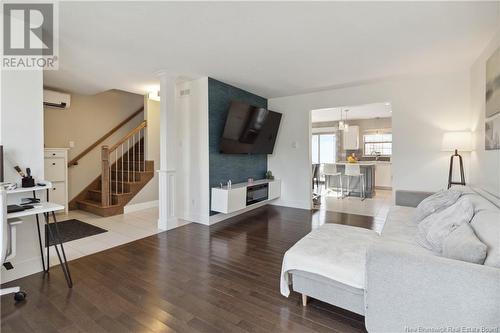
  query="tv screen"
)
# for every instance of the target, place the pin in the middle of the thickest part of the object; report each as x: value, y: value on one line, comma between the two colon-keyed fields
x: 249, y: 130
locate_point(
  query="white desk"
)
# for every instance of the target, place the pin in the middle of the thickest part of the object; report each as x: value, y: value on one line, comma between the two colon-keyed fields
x: 40, y: 208
x: 48, y: 186
x: 46, y: 209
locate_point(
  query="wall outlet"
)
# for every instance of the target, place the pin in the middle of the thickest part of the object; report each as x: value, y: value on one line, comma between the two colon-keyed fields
x: 72, y: 144
x: 294, y: 144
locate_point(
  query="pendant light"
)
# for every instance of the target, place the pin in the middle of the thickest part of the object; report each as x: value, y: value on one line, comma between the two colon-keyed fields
x: 341, y: 122
x: 346, y: 125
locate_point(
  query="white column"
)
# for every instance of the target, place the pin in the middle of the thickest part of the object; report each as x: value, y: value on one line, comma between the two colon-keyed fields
x: 166, y: 175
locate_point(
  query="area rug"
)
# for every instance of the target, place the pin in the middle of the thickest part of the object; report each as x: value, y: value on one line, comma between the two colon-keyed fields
x: 71, y: 230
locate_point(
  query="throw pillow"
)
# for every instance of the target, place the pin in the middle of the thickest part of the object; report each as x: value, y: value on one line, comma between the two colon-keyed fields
x: 436, y: 227
x: 434, y: 203
x: 486, y: 225
x: 463, y: 244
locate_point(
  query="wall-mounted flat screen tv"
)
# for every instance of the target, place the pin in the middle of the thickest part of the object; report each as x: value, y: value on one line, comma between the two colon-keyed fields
x: 249, y: 130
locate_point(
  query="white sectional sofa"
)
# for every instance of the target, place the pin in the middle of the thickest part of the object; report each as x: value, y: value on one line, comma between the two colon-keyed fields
x: 408, y: 288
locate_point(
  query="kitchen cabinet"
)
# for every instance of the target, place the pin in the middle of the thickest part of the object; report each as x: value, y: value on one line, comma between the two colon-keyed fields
x: 383, y: 175
x: 351, y: 138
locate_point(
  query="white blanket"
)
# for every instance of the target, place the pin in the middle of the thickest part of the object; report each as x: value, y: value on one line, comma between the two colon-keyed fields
x: 334, y: 251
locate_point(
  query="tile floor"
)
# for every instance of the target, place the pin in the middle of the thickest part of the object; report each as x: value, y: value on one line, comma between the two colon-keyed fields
x: 122, y: 229
x: 378, y: 206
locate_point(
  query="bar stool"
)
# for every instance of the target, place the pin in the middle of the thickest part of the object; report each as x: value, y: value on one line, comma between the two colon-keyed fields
x: 330, y: 170
x: 354, y: 170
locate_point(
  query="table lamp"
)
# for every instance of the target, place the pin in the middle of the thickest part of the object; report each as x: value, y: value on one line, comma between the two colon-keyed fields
x: 456, y: 141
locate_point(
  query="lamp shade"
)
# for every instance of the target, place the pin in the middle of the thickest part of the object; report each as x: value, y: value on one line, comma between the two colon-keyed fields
x: 461, y: 141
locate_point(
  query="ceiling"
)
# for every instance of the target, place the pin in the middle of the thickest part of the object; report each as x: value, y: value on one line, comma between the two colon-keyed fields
x: 269, y: 48
x: 367, y: 111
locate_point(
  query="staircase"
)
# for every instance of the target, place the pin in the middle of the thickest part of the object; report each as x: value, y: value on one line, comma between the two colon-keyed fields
x: 125, y: 171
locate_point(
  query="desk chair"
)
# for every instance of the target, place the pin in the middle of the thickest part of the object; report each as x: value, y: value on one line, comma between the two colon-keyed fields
x: 330, y: 171
x: 8, y: 246
x: 354, y: 170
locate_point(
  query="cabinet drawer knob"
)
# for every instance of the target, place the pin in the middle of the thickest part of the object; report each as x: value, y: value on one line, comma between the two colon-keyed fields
x: 53, y: 164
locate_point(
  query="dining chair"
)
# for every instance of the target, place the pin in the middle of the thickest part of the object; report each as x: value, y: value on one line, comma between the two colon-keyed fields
x: 354, y: 170
x: 330, y: 171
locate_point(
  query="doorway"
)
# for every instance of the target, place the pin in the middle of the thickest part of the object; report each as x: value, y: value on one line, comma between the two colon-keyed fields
x: 347, y: 138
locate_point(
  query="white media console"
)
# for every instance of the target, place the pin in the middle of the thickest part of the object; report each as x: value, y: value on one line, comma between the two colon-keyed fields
x: 242, y: 195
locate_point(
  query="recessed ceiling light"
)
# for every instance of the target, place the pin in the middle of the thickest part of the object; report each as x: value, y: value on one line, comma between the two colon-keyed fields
x: 387, y: 104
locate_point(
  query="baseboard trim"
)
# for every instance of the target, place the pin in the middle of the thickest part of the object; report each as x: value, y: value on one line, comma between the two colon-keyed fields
x: 196, y: 218
x: 140, y: 206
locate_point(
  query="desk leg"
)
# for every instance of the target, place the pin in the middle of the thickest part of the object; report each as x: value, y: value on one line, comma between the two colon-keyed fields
x: 47, y: 242
x: 57, y: 239
x: 45, y: 269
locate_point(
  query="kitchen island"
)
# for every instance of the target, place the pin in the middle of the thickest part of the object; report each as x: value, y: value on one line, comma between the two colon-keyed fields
x: 368, y: 169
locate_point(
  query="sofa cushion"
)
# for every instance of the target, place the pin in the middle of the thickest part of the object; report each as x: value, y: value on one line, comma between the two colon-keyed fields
x: 433, y: 230
x: 486, y: 225
x: 434, y: 203
x: 399, y: 226
x: 480, y: 203
x: 463, y: 244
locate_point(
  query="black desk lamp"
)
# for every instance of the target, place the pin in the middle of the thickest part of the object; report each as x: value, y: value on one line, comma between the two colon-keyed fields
x: 455, y: 142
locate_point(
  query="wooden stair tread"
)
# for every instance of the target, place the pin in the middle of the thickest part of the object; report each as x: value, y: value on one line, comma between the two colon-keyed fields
x: 99, y: 192
x: 95, y: 204
x: 125, y: 182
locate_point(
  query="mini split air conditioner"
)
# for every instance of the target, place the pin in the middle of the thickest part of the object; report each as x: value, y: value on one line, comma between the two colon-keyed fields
x: 55, y: 99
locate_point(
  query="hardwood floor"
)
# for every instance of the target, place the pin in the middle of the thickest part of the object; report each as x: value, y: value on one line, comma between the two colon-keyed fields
x: 191, y: 279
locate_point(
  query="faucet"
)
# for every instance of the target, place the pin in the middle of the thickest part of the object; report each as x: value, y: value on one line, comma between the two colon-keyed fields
x: 377, y: 155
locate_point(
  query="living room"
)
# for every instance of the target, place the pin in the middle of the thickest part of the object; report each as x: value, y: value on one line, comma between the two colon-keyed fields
x: 239, y: 244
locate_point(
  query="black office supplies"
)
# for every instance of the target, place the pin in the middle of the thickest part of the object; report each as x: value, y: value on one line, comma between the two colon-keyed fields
x: 28, y: 181
x: 15, y: 208
x: 29, y: 201
x: 19, y: 171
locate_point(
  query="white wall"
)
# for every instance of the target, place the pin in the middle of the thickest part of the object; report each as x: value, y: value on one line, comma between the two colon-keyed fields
x: 22, y: 122
x: 22, y: 137
x: 485, y: 165
x: 423, y: 108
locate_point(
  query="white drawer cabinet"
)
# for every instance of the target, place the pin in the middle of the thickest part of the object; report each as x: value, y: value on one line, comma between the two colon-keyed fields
x: 56, y: 171
x: 231, y: 200
x: 227, y: 201
x: 57, y: 193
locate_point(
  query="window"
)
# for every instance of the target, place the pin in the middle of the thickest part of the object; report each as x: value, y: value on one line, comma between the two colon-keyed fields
x: 323, y: 148
x: 378, y: 143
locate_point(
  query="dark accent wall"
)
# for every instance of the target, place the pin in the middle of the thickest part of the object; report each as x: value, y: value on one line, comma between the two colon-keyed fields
x: 237, y: 167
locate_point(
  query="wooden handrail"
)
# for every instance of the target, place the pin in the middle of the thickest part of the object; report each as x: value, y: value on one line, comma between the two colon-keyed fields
x: 75, y: 160
x: 142, y: 125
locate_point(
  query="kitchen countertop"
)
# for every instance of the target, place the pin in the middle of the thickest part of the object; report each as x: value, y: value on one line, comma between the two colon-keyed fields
x: 360, y: 163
